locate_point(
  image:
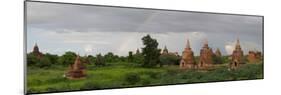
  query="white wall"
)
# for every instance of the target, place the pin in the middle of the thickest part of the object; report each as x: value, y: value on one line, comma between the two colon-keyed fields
x: 11, y: 49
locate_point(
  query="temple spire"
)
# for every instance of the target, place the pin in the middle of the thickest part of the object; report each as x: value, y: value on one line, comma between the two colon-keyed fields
x: 187, y: 44
x: 237, y: 46
x: 165, y: 50
x: 205, y: 43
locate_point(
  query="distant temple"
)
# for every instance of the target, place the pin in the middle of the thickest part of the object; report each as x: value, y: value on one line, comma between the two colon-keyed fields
x: 218, y: 52
x: 76, y: 70
x: 36, y: 51
x: 206, y: 55
x: 165, y: 50
x: 187, y: 60
x: 237, y: 56
x: 254, y: 56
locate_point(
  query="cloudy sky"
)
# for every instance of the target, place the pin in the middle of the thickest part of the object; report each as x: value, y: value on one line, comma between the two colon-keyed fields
x: 57, y: 28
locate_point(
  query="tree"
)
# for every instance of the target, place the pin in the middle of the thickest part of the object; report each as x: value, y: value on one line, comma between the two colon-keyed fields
x: 138, y: 58
x: 110, y: 57
x: 32, y: 59
x: 169, y: 59
x: 92, y: 59
x: 100, y: 60
x: 44, y: 62
x: 122, y: 59
x: 41, y: 62
x: 53, y: 58
x: 150, y: 52
x: 217, y: 59
x: 67, y: 58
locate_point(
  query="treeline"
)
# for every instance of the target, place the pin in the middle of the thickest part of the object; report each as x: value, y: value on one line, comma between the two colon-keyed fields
x: 148, y: 56
x: 69, y: 57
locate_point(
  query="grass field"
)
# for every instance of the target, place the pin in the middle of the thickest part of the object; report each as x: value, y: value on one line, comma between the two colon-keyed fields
x: 118, y: 75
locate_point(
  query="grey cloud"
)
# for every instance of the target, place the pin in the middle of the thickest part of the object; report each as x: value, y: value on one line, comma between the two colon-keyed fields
x: 86, y: 18
x: 66, y: 19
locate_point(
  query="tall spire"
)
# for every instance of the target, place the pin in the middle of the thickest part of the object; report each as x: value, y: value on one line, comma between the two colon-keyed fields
x: 187, y: 44
x: 237, y: 46
x: 165, y: 50
x: 205, y: 43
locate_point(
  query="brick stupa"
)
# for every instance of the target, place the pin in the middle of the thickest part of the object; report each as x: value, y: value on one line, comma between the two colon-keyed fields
x: 254, y: 56
x: 206, y: 55
x: 76, y: 70
x: 187, y: 60
x: 237, y: 56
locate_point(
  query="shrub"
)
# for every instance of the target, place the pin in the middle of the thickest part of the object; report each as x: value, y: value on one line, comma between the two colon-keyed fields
x: 44, y: 62
x: 132, y: 78
x: 169, y: 59
x: 154, y: 75
x: 91, y: 85
x: 52, y: 89
x: 145, y: 80
x: 67, y: 58
x: 100, y: 60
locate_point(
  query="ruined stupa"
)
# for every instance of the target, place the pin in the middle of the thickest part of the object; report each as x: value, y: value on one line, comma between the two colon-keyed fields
x: 254, y: 56
x: 237, y: 56
x: 76, y: 70
x: 206, y: 55
x: 187, y: 60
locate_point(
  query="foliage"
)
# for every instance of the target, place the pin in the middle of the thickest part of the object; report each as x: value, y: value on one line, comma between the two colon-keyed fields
x: 123, y: 59
x: 32, y: 59
x: 225, y: 59
x: 44, y: 62
x: 122, y: 75
x: 41, y: 62
x: 217, y: 59
x: 169, y: 59
x: 67, y: 58
x: 110, y: 57
x: 132, y: 78
x: 100, y: 60
x: 138, y: 58
x: 92, y: 59
x: 53, y: 58
x: 150, y: 52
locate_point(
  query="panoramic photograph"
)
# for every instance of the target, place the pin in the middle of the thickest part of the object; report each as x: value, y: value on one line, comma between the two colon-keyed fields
x: 72, y: 47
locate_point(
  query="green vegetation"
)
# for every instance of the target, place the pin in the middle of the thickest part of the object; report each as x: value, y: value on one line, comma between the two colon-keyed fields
x: 169, y: 59
x: 67, y: 58
x: 125, y: 74
x: 100, y: 60
x: 45, y: 73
